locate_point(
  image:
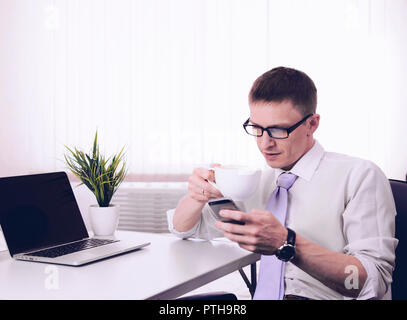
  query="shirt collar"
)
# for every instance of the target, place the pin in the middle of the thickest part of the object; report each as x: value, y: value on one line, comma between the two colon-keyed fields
x: 308, y: 163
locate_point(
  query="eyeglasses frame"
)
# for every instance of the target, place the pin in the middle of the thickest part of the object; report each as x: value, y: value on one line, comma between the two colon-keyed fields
x: 289, y: 130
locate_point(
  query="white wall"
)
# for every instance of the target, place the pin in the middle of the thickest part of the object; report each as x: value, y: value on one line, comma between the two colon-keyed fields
x: 84, y: 197
x: 169, y: 79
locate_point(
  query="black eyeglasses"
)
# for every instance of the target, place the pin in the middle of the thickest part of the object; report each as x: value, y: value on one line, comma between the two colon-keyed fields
x: 273, y: 132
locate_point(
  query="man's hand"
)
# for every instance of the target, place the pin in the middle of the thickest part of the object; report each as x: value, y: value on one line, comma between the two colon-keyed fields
x: 199, y: 188
x: 262, y: 232
x: 200, y: 191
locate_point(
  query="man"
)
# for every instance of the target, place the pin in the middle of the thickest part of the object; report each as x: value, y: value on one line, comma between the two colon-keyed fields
x: 335, y: 237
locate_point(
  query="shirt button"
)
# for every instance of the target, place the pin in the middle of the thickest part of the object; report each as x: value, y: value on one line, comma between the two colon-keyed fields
x: 297, y: 290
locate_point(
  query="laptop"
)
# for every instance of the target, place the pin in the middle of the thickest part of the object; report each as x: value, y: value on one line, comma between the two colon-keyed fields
x: 41, y: 222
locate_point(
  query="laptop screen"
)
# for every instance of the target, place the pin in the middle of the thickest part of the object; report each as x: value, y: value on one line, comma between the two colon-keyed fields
x: 38, y: 211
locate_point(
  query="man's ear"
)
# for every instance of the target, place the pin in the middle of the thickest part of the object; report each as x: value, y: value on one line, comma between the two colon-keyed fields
x: 314, y: 123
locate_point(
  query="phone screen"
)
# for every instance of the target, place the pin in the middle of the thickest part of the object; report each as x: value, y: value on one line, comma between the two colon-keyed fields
x: 218, y: 205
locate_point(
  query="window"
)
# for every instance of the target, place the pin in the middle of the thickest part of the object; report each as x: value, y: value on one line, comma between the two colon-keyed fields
x: 170, y: 79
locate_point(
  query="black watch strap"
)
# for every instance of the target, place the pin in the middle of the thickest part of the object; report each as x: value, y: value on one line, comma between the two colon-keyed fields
x: 290, y: 237
x: 287, y: 251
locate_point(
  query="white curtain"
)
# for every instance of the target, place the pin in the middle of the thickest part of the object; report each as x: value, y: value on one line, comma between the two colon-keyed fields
x: 169, y: 79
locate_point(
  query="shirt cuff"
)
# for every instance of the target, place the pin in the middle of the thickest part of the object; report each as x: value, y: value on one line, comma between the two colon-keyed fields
x: 373, y: 288
x: 181, y: 234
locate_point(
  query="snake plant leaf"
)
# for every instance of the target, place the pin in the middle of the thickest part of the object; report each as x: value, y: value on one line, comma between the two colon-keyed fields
x: 98, y: 173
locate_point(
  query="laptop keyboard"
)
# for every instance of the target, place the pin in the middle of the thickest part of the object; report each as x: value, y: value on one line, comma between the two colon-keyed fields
x: 71, y: 248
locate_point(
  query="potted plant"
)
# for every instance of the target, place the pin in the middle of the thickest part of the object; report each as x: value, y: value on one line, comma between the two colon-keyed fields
x: 103, y: 179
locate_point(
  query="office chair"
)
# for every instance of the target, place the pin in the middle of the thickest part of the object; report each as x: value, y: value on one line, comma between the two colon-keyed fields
x: 399, y: 285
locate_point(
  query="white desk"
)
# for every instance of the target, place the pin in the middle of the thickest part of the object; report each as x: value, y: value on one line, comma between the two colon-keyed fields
x: 168, y: 268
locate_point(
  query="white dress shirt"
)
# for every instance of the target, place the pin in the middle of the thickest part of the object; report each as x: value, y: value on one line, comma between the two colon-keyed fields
x: 342, y: 203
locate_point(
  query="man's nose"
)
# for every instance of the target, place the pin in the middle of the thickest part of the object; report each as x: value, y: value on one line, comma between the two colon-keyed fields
x: 266, y: 141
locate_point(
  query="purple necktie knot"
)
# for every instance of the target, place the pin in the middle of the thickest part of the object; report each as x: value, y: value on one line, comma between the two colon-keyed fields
x: 286, y: 180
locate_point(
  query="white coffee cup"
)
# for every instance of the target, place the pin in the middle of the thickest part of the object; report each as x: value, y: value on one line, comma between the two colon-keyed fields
x: 236, y: 182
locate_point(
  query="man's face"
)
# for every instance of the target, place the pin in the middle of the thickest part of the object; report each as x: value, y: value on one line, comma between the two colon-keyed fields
x: 282, y: 153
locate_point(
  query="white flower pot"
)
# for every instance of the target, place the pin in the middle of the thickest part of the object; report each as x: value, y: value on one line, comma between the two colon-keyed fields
x: 104, y: 220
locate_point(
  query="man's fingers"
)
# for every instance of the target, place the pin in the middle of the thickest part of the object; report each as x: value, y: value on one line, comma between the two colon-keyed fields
x: 203, y: 192
x: 241, y: 239
x: 205, y: 174
x: 232, y: 228
x: 236, y: 215
x: 198, y: 184
x: 199, y: 187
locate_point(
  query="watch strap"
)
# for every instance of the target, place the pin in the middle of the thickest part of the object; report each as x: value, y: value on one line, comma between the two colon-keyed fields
x: 290, y: 237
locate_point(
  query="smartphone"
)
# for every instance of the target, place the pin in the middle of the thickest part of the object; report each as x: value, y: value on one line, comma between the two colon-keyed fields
x: 217, y: 205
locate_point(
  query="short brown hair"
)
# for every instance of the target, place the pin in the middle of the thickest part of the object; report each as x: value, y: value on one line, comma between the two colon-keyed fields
x: 283, y: 83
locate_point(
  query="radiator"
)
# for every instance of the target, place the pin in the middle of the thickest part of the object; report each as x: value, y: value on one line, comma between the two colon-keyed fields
x: 143, y: 206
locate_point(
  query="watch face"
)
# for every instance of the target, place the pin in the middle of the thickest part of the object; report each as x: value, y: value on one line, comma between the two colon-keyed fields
x: 286, y: 253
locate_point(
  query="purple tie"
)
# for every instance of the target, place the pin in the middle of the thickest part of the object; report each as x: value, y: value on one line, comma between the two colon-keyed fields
x: 271, y: 275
